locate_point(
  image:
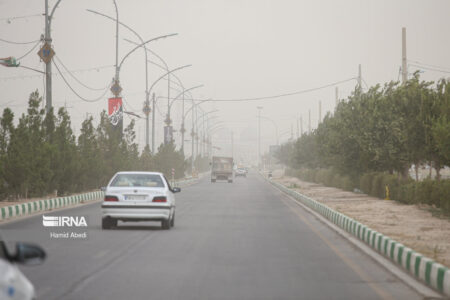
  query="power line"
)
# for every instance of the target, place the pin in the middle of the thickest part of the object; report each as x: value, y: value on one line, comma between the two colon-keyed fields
x: 132, y: 108
x: 18, y: 43
x: 20, y: 17
x: 280, y: 95
x: 428, y: 65
x: 73, y: 71
x: 430, y: 69
x: 78, y: 95
x: 34, y: 47
x: 77, y: 80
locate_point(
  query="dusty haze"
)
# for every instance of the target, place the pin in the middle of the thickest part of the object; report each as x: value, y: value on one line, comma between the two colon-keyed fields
x: 238, y: 49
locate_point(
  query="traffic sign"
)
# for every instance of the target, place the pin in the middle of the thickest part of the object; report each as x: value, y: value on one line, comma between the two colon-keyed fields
x: 46, y: 53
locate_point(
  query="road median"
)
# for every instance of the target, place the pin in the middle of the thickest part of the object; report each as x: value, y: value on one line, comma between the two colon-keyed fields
x: 44, y: 205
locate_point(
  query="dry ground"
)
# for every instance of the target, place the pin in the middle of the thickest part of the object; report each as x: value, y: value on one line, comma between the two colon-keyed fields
x: 412, y: 225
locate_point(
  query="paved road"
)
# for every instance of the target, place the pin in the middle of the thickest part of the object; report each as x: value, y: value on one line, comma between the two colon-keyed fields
x: 244, y: 240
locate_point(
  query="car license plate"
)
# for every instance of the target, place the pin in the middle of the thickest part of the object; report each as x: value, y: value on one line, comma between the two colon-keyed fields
x: 135, y: 197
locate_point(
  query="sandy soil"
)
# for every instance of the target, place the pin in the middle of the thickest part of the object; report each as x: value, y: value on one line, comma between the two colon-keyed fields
x: 412, y: 225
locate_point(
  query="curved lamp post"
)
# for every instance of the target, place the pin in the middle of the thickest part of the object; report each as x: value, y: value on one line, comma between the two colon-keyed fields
x: 274, y: 124
x: 154, y: 102
x: 143, y: 45
x: 183, y: 130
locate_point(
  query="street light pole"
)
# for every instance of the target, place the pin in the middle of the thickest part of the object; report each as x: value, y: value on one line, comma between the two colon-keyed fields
x: 192, y: 137
x: 153, y: 123
x: 117, y: 42
x: 146, y: 109
x: 259, y: 136
x: 183, y: 130
x: 275, y: 125
x: 48, y: 64
x: 149, y: 90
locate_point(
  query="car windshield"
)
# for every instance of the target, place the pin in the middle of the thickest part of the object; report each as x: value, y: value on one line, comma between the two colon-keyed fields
x: 135, y: 180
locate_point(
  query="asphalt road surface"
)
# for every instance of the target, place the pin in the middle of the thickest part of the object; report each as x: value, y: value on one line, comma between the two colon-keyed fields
x: 244, y: 240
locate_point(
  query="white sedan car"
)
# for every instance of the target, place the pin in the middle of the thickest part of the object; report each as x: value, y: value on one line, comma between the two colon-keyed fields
x: 13, y: 284
x: 139, y: 196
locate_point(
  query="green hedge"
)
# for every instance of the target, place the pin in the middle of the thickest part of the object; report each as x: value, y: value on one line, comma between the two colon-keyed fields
x: 431, y: 192
x: 323, y: 176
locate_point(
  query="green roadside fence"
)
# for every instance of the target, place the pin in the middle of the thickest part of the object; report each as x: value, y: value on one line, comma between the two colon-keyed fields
x: 26, y: 208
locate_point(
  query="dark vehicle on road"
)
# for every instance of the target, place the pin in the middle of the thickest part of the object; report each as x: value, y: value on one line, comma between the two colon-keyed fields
x: 222, y: 169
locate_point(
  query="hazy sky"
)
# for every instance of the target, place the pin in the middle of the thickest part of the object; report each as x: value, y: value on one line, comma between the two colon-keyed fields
x: 238, y: 49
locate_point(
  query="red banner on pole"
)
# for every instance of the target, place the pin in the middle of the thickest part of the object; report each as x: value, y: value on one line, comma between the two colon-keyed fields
x: 115, y: 112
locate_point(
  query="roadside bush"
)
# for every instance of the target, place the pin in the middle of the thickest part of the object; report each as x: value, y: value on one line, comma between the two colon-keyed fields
x: 324, y: 176
x: 365, y: 182
x: 423, y: 192
x: 444, y: 192
x: 336, y: 181
x: 346, y: 183
x: 407, y: 193
x: 377, y: 190
x: 431, y: 192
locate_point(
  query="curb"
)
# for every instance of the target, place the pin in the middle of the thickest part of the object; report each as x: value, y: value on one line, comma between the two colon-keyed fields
x: 16, y: 210
x: 423, y: 268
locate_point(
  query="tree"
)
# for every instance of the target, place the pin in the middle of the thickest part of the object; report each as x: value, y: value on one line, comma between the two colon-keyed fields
x: 6, y: 129
x: 90, y: 164
x: 168, y: 158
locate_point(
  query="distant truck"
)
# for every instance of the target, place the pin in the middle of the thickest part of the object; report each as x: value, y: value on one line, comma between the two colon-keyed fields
x: 222, y: 169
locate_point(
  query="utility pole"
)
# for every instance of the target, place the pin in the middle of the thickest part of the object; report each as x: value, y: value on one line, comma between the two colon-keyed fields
x: 404, y: 61
x: 232, y: 145
x: 297, y: 129
x: 153, y: 123
x: 146, y: 111
x: 182, y: 126
x: 48, y: 62
x: 192, y: 138
x: 292, y: 132
x: 320, y: 113
x: 359, y: 78
x: 309, y: 121
x: 48, y: 65
x: 259, y: 135
x: 337, y: 96
x: 197, y: 131
x: 117, y: 42
x: 301, y: 125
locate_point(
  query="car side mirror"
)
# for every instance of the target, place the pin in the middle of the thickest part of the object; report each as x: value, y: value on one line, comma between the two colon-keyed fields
x: 103, y: 188
x: 28, y: 254
x: 176, y: 190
